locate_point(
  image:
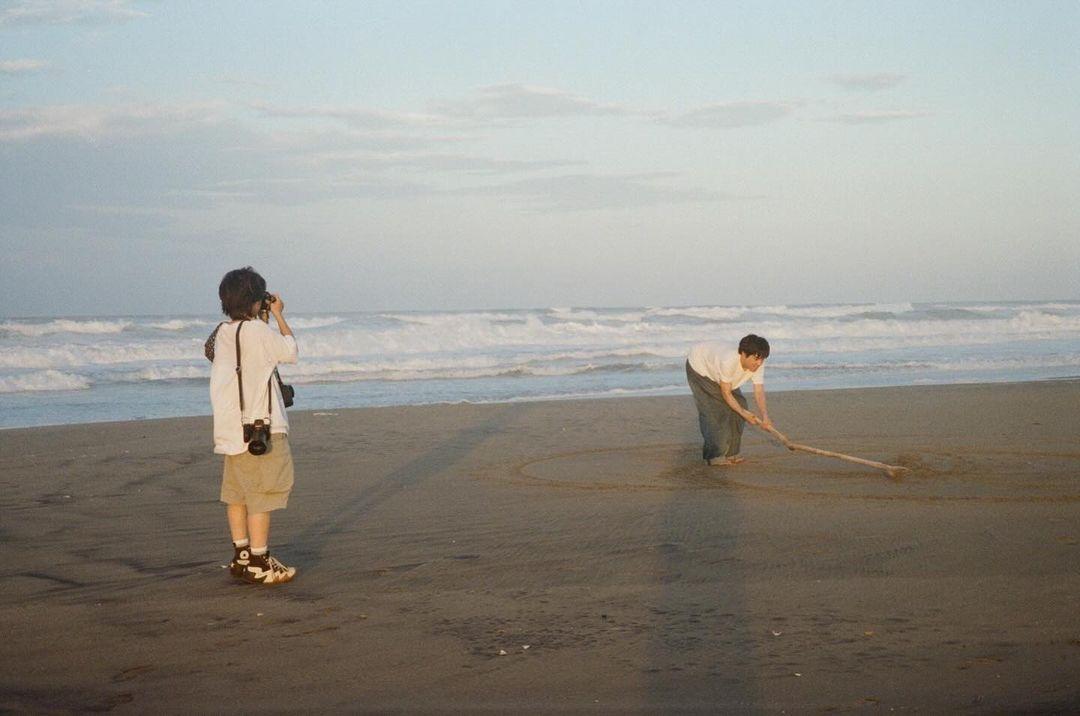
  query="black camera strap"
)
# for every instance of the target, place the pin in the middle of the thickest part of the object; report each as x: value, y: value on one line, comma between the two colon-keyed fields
x: 240, y: 380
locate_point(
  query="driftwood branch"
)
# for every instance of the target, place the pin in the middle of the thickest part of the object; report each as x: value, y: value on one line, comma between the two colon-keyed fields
x: 893, y: 471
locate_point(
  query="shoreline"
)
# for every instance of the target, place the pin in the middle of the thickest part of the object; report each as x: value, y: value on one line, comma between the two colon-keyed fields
x: 572, y: 398
x: 568, y: 556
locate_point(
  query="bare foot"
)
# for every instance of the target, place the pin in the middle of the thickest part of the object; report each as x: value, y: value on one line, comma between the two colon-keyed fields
x: 726, y: 462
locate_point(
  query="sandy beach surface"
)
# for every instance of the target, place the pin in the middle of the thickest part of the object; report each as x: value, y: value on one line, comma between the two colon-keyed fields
x: 560, y: 556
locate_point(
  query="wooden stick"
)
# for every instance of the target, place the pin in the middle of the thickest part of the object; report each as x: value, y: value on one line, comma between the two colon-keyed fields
x: 893, y: 471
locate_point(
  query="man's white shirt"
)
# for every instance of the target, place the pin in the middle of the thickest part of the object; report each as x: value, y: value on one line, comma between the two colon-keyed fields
x: 720, y: 364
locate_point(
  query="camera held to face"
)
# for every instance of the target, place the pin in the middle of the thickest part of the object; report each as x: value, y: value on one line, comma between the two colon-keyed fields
x: 257, y: 436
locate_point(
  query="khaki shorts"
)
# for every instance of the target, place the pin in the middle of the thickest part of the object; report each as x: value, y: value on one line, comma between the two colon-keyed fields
x: 262, y: 482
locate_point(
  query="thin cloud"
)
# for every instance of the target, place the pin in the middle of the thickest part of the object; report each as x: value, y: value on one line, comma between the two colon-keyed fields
x: 22, y: 67
x: 316, y: 145
x: 869, y: 82
x: 35, y: 122
x: 115, y: 161
x: 244, y: 82
x: 513, y: 101
x: 880, y: 117
x: 121, y: 210
x: 487, y: 106
x: 460, y: 163
x: 97, y: 122
x: 120, y: 218
x: 69, y: 12
x: 445, y: 163
x: 730, y: 115
x: 359, y: 117
x: 297, y: 191
x: 116, y: 168
x: 585, y: 192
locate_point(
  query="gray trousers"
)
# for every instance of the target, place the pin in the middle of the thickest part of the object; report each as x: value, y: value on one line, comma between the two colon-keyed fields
x: 721, y: 427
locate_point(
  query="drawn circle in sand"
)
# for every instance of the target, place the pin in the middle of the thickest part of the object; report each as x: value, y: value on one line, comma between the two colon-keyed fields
x: 933, y: 475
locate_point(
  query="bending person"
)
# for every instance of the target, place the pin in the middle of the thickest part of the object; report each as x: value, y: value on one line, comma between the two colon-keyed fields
x: 715, y: 374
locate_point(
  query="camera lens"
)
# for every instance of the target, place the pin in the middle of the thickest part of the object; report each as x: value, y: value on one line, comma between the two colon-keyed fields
x: 257, y: 447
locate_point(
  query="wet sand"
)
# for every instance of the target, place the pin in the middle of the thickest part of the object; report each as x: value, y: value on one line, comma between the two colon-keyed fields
x: 570, y: 556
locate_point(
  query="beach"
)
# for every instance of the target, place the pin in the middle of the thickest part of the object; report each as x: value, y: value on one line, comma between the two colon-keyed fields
x: 570, y: 556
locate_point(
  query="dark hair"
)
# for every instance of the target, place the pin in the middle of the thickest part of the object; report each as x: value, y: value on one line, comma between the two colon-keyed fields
x: 239, y: 290
x: 752, y: 345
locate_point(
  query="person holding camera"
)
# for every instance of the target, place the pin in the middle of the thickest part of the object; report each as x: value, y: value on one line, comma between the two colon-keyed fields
x: 250, y: 425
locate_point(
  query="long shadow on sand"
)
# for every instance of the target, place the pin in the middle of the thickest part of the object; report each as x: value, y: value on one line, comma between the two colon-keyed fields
x: 308, y: 546
x: 702, y: 653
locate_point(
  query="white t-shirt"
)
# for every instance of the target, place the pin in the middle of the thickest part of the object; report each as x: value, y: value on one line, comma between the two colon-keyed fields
x: 721, y: 364
x: 261, y: 349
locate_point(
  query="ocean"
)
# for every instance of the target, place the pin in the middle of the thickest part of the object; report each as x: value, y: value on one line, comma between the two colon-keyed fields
x: 64, y: 370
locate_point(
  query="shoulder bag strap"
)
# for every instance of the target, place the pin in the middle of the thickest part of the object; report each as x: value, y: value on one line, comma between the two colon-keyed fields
x: 239, y: 373
x: 240, y: 380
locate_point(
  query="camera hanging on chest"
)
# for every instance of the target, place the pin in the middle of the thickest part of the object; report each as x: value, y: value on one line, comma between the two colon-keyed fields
x: 257, y: 432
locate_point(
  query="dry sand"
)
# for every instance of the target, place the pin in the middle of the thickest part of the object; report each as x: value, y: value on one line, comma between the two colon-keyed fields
x: 573, y: 556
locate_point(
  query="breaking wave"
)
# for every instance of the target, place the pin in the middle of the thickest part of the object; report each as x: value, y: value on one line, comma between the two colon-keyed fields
x: 307, y: 324
x: 63, y: 325
x: 395, y: 357
x: 43, y: 381
x: 179, y: 324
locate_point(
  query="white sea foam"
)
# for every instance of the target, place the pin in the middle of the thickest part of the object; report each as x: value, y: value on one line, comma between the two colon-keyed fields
x: 432, y: 319
x: 1021, y: 365
x: 71, y: 355
x: 178, y: 324
x: 707, y: 313
x: 559, y: 352
x: 44, y: 380
x: 307, y: 324
x: 837, y: 311
x: 1024, y: 325
x: 158, y: 373
x: 640, y: 352
x: 343, y: 372
x: 581, y: 315
x: 1018, y: 364
x: 405, y: 369
x: 349, y: 371
x: 449, y: 333
x: 610, y: 393
x: 453, y: 338
x: 725, y: 314
x: 64, y: 325
x: 999, y: 308
x: 468, y: 334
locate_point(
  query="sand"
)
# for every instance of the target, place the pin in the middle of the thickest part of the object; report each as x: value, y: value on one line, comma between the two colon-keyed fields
x: 570, y: 556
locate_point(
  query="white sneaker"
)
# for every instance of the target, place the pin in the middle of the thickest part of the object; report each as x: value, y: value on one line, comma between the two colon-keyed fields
x: 264, y: 569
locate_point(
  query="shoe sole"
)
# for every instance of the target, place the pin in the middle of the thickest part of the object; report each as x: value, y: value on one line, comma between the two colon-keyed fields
x: 274, y: 583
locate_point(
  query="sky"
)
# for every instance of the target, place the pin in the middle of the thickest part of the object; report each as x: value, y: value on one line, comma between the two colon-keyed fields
x: 452, y: 155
